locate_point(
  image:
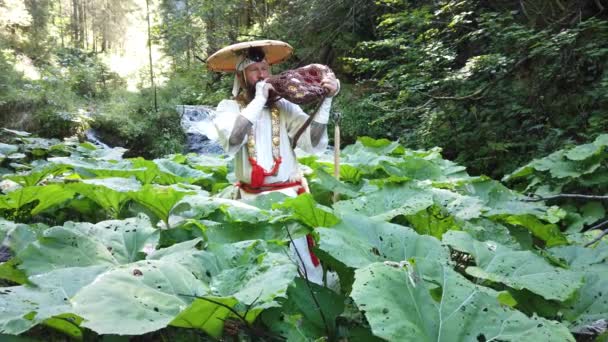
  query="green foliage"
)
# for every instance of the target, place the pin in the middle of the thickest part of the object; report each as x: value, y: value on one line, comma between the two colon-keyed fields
x: 475, y: 258
x: 87, y: 75
x: 130, y: 120
x: 53, y: 105
x: 493, y: 85
x: 387, y: 295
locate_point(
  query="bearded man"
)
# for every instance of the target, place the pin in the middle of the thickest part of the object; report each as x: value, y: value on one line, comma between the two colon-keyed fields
x: 259, y: 135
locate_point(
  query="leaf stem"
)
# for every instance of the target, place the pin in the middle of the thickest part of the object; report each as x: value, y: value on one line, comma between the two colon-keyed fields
x: 312, y: 294
x: 599, y: 237
x: 580, y: 196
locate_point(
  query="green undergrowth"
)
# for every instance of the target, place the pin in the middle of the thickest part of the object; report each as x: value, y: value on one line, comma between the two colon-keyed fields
x: 102, y: 245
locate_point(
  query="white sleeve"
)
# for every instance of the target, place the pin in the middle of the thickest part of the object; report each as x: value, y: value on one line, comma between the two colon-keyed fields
x: 322, y: 116
x: 295, y: 118
x: 225, y: 116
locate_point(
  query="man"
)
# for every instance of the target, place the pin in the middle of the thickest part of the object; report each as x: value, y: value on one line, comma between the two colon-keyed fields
x: 259, y: 135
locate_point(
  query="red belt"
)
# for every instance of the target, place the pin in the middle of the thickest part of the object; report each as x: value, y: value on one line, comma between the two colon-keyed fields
x: 278, y: 186
x: 248, y: 188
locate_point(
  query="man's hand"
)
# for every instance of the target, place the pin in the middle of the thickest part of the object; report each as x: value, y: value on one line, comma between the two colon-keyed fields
x: 262, y: 89
x: 331, y: 84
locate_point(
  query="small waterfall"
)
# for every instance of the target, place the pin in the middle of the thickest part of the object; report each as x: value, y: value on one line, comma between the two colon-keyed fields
x: 5, y: 253
x: 91, y: 136
x: 197, y: 122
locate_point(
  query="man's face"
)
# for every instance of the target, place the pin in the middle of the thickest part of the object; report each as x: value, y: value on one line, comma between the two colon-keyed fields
x: 256, y: 72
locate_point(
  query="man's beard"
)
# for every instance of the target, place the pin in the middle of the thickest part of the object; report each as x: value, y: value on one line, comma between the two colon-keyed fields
x: 250, y: 90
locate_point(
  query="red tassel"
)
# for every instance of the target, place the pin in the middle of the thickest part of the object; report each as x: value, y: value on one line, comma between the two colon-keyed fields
x: 311, y: 244
x: 258, y: 173
x: 275, y: 167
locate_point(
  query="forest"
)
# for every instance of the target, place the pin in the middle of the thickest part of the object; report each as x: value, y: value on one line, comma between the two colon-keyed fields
x: 469, y: 203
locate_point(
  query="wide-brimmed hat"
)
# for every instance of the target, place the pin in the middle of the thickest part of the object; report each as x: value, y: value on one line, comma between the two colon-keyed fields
x: 227, y: 58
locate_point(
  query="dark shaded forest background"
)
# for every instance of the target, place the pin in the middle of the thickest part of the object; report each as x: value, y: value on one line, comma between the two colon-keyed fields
x: 493, y: 83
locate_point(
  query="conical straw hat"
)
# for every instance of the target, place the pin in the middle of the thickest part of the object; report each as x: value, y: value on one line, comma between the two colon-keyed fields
x: 225, y: 59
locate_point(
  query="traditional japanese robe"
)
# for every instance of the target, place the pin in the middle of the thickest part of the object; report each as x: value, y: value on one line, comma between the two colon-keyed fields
x: 292, y: 117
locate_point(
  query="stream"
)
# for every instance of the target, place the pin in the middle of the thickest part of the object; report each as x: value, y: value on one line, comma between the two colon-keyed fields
x: 197, y: 122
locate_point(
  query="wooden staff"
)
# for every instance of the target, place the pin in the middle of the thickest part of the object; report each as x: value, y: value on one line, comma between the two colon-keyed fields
x: 337, y: 117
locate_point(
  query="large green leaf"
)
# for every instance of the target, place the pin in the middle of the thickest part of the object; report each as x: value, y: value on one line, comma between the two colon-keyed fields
x: 61, y: 247
x: 516, y: 269
x: 206, y: 315
x: 127, y: 240
x: 201, y: 207
x: 582, y: 152
x: 579, y: 257
x: 88, y: 167
x: 10, y: 272
x: 172, y: 172
x: 460, y: 206
x: 327, y: 182
x: 47, y: 196
x: 549, y: 233
x: 146, y: 171
x: 414, y: 168
x: 367, y: 160
x: 483, y: 230
x: 159, y: 199
x: 19, y: 235
x: 228, y: 232
x: 434, y: 221
x: 136, y: 298
x: 249, y: 272
x: 306, y: 210
x: 358, y: 241
x: 7, y: 149
x: 381, y: 146
x: 34, y: 177
x: 590, y: 305
x: 431, y: 302
x: 109, y: 193
x: 559, y: 166
x: 24, y: 306
x: 500, y: 200
x: 244, y: 272
x: 299, y: 319
x: 388, y: 202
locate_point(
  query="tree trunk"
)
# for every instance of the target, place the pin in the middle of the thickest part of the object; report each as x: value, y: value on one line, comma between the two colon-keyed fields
x: 61, y: 33
x: 80, y: 24
x: 75, y: 29
x: 150, y: 54
x: 188, y: 35
x: 104, y: 30
x: 84, y: 24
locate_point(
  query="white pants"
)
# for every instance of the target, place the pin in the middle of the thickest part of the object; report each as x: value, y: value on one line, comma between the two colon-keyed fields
x: 312, y: 272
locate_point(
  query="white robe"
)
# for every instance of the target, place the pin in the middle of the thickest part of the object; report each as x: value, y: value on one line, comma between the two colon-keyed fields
x: 292, y: 117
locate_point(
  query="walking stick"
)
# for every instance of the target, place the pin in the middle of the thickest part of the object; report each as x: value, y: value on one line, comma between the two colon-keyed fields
x: 337, y: 117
